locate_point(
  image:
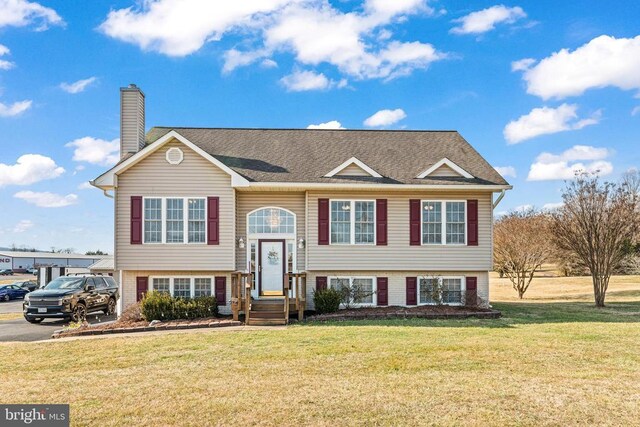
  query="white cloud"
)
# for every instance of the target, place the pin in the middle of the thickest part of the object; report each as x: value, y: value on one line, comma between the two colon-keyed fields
x: 312, y: 30
x: 300, y: 81
x: 385, y: 118
x: 333, y: 124
x: 268, y: 63
x: 523, y: 208
x: 547, y: 120
x: 95, y: 150
x: 17, y: 108
x: 579, y: 158
x: 485, y: 20
x: 46, y: 199
x: 4, y: 64
x: 552, y: 206
x: 506, y: 171
x: 77, y: 87
x: 20, y: 13
x: 604, y: 61
x: 85, y: 186
x: 23, y: 226
x: 29, y: 169
x: 522, y: 64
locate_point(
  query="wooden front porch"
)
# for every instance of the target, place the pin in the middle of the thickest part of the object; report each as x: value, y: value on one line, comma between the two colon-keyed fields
x: 271, y: 310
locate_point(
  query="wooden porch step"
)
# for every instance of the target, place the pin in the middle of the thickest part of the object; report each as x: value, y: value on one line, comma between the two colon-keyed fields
x: 266, y: 322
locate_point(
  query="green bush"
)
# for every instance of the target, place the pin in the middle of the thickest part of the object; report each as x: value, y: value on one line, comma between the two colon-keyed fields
x: 162, y: 306
x: 327, y: 300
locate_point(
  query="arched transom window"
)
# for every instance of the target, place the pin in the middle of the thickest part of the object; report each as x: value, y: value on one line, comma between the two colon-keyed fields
x: 271, y: 221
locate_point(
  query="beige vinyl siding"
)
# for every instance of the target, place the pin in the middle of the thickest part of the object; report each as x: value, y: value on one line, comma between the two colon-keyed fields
x: 194, y: 177
x: 129, y: 287
x: 353, y: 170
x: 444, y: 170
x: 249, y: 201
x: 398, y: 254
x: 397, y: 288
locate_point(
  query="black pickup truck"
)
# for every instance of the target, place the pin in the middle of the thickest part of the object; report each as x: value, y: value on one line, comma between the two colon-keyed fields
x: 71, y: 297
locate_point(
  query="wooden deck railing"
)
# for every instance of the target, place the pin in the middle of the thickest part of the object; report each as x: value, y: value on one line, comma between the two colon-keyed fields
x: 241, y: 283
x: 296, y: 287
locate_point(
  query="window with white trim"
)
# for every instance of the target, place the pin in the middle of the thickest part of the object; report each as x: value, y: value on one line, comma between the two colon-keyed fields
x: 444, y: 222
x: 441, y: 290
x: 202, y: 287
x: 197, y: 221
x: 366, y: 284
x: 153, y: 220
x: 182, y: 219
x: 271, y: 221
x: 183, y: 287
x: 353, y: 222
x: 175, y: 220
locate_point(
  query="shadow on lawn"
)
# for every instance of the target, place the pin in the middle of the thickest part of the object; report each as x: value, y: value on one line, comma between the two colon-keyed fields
x: 519, y: 313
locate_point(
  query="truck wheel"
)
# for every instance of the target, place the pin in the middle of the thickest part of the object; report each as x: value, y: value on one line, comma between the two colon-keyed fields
x: 79, y: 312
x: 111, y: 307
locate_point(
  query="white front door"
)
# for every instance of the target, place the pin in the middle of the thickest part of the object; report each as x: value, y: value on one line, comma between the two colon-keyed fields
x: 272, y: 265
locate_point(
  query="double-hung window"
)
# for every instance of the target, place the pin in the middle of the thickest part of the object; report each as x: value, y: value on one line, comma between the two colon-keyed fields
x: 444, y: 222
x: 353, y: 222
x: 441, y: 290
x: 364, y: 288
x: 175, y: 220
x: 153, y: 220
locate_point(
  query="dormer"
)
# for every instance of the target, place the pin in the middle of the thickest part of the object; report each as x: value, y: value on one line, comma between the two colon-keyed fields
x: 445, y: 168
x: 353, y: 167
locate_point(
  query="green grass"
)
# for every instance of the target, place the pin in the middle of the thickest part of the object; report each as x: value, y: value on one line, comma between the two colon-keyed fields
x: 548, y: 361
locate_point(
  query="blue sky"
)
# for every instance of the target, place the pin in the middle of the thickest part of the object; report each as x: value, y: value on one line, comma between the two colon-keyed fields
x: 573, y: 102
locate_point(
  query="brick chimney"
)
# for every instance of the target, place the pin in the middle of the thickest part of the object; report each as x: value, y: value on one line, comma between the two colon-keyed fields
x: 131, y: 120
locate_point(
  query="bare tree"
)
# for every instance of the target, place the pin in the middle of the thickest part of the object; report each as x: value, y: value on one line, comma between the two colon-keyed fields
x: 596, y: 223
x: 521, y: 245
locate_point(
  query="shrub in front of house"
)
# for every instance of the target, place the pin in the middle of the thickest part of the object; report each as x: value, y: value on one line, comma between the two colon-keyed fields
x: 162, y: 306
x: 327, y: 300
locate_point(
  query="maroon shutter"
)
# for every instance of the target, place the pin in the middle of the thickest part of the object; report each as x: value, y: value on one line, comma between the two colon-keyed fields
x: 412, y: 291
x: 471, y: 294
x: 414, y: 222
x: 472, y: 222
x: 213, y: 220
x: 323, y: 221
x: 381, y: 222
x: 136, y: 220
x: 142, y: 286
x: 221, y: 291
x: 321, y: 283
x: 383, y: 291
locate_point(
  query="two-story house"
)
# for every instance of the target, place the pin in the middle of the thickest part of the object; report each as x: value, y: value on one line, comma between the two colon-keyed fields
x: 396, y: 212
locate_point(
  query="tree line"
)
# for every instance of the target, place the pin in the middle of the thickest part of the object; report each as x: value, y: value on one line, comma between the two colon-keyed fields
x: 594, y: 232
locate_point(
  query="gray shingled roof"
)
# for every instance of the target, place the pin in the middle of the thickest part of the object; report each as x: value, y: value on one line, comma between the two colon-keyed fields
x: 303, y: 155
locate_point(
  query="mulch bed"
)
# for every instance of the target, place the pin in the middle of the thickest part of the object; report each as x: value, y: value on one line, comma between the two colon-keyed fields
x: 144, y: 326
x: 423, y: 311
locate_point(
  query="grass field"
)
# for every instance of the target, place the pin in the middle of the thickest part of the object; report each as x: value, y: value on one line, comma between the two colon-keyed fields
x: 553, y: 359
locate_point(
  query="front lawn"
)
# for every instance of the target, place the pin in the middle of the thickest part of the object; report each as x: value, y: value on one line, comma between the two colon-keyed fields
x: 553, y: 359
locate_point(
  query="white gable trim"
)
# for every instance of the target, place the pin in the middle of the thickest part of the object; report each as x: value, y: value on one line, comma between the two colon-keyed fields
x: 353, y: 161
x: 446, y: 162
x: 108, y: 179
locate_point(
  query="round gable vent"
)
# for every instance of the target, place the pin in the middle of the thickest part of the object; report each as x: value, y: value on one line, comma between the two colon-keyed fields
x: 174, y: 156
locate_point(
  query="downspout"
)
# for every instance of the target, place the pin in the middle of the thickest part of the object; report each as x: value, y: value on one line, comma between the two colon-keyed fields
x: 497, y: 202
x: 111, y: 197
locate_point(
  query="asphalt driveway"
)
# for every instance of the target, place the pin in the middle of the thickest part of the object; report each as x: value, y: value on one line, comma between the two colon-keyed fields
x: 21, y: 330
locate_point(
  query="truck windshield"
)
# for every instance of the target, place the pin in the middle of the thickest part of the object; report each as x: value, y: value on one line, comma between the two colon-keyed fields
x: 65, y: 283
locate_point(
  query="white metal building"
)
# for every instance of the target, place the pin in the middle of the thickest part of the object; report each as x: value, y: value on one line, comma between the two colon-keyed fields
x: 22, y: 261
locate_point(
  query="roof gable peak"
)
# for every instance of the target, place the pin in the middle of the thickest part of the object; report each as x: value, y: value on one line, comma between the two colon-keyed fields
x: 444, y: 162
x: 353, y: 161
